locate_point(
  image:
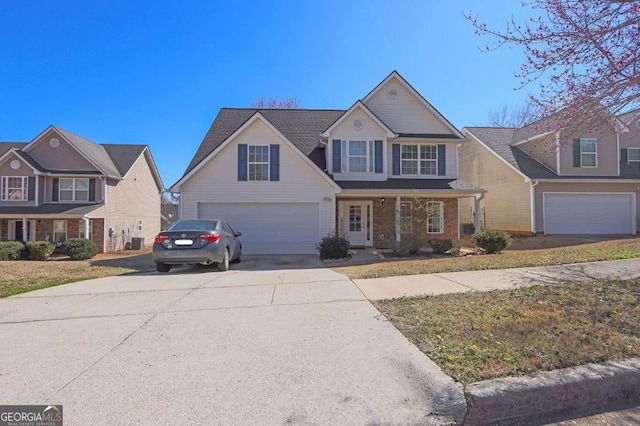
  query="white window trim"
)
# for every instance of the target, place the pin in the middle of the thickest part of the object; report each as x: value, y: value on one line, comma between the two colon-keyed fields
x: 410, y: 217
x: 441, y: 210
x: 629, y: 160
x: 4, y: 188
x: 81, y: 229
x: 370, y: 156
x: 249, y: 163
x: 419, y: 160
x: 65, y: 229
x: 594, y: 153
x: 73, y: 190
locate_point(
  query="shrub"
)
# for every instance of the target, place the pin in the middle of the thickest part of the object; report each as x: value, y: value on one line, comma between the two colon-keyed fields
x: 457, y: 246
x: 399, y: 250
x: 440, y: 246
x: 492, y: 241
x: 80, y: 248
x: 39, y: 250
x: 11, y: 250
x: 412, y: 243
x: 334, y: 247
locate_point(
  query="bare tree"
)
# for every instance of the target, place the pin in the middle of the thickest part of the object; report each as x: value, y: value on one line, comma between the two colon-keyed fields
x: 274, y: 103
x: 584, y: 54
x: 518, y: 115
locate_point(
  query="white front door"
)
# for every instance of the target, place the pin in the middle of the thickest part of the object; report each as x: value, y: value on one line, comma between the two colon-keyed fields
x: 356, y: 222
x: 16, y: 230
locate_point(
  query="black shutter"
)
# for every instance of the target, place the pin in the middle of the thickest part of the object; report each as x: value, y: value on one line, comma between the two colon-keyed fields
x: 242, y: 161
x: 624, y: 156
x: 92, y: 190
x: 576, y: 153
x: 31, y: 188
x: 337, y: 156
x: 56, y: 186
x: 274, y: 162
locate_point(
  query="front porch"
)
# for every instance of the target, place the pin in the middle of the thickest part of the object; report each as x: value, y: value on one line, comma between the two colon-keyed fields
x: 50, y: 229
x: 381, y: 222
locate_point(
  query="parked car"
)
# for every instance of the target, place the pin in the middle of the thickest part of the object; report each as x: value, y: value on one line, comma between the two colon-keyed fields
x: 197, y: 241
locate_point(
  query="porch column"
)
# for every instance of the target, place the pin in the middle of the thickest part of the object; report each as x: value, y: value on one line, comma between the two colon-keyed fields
x: 477, y: 209
x: 397, y: 220
x: 25, y: 230
x: 86, y: 227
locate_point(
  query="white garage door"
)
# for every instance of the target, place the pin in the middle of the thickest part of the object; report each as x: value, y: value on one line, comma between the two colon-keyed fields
x: 588, y: 213
x: 269, y: 228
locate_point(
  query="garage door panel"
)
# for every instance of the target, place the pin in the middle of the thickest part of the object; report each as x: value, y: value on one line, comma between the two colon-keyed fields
x: 269, y: 228
x: 588, y: 213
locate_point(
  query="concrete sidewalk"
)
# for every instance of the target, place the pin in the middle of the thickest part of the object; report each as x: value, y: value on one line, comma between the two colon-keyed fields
x: 498, y: 279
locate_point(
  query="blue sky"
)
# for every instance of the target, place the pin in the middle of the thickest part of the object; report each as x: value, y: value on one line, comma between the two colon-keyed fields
x: 157, y: 72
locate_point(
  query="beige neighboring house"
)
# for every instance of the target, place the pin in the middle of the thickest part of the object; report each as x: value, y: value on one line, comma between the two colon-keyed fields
x: 545, y: 180
x: 384, y: 169
x: 61, y: 186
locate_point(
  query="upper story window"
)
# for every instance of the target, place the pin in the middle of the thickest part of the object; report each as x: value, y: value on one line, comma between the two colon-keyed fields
x: 588, y: 153
x: 419, y: 159
x: 73, y: 189
x: 15, y: 188
x: 258, y: 162
x: 633, y: 155
x: 358, y: 157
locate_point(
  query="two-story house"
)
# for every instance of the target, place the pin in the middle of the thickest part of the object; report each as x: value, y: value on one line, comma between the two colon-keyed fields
x: 385, y: 168
x: 61, y: 186
x: 556, y: 180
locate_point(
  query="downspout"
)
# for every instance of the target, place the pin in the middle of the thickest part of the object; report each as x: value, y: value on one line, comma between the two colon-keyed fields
x: 397, y: 220
x: 533, y: 206
x: 85, y: 218
x: 476, y: 207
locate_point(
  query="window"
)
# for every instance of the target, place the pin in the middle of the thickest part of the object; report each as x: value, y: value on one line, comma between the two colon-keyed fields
x: 419, y: 159
x: 73, y: 189
x: 435, y: 217
x: 633, y: 155
x: 81, y: 230
x: 587, y: 153
x: 258, y: 162
x: 59, y: 230
x: 357, y: 157
x: 406, y: 218
x: 15, y: 188
x: 355, y: 218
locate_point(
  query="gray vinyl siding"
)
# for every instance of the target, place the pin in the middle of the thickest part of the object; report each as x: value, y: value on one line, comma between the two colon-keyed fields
x: 508, y: 200
x: 606, y: 158
x: 63, y: 157
x: 544, y: 150
x: 543, y: 187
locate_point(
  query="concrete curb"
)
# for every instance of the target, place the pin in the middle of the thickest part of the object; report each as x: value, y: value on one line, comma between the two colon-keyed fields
x: 559, y: 394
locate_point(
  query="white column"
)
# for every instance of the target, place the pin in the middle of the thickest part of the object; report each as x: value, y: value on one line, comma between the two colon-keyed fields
x: 477, y: 209
x: 397, y: 216
x: 25, y: 230
x: 86, y: 227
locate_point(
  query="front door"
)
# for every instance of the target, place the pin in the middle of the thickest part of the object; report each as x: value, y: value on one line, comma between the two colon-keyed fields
x: 16, y: 228
x: 356, y: 222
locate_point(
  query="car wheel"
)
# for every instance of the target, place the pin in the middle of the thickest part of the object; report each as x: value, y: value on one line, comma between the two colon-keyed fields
x: 239, y: 258
x: 224, y: 265
x: 163, y: 267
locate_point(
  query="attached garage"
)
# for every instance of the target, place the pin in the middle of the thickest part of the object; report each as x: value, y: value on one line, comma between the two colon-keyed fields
x: 270, y: 228
x: 589, y: 213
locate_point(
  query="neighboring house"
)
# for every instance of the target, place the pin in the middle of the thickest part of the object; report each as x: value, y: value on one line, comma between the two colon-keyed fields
x: 385, y: 168
x: 61, y: 186
x: 169, y: 213
x: 541, y: 179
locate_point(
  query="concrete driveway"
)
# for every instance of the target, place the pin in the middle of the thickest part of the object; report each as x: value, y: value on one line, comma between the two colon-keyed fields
x: 270, y: 342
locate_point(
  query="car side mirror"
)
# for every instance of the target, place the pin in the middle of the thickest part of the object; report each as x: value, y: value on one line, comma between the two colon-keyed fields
x: 238, y: 234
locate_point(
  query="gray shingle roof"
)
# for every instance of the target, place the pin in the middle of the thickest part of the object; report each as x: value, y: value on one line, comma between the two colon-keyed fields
x: 6, y: 146
x: 93, y: 151
x: 57, y: 208
x: 417, y: 184
x: 628, y: 117
x: 301, y: 127
x: 123, y: 156
x: 498, y: 139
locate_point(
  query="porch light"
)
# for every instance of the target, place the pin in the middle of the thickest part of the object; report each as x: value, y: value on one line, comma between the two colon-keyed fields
x: 382, y: 201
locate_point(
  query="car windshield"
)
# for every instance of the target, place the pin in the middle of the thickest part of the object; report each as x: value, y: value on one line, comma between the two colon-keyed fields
x: 193, y: 225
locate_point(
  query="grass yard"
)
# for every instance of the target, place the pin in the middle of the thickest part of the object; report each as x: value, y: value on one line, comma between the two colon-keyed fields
x: 480, y: 336
x: 606, y: 250
x: 21, y: 276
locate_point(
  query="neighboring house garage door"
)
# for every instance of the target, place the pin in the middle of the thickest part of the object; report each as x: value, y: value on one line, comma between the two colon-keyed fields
x: 269, y: 228
x: 588, y: 213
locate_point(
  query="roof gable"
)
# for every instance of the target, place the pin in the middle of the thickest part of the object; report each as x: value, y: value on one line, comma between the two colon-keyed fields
x: 359, y: 106
x: 405, y: 110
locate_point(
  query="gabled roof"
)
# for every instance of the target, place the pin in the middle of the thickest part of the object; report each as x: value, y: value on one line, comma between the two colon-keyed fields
x: 498, y: 140
x: 302, y: 127
x: 94, y: 152
x: 396, y: 75
x: 368, y: 112
x: 6, y: 146
x: 628, y: 117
